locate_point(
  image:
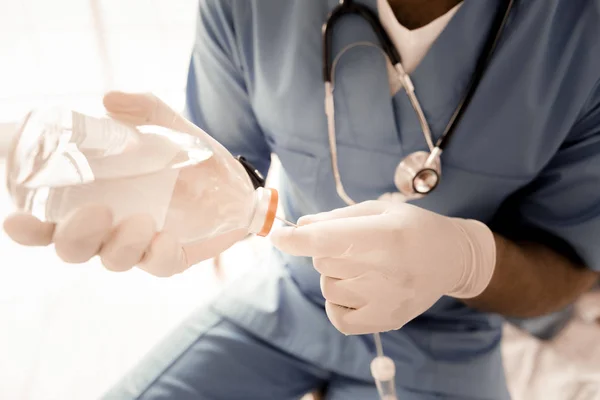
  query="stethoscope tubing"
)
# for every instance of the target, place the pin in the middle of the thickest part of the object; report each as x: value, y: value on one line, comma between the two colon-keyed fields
x: 349, y: 7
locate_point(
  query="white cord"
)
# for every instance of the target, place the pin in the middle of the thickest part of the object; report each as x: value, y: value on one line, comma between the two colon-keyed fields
x: 378, y: 345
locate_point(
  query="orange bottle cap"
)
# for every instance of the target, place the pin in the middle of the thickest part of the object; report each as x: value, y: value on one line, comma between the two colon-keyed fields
x: 270, y: 213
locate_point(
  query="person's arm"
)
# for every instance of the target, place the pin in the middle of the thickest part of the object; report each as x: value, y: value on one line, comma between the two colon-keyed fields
x: 532, y: 279
x: 217, y: 95
x: 551, y: 253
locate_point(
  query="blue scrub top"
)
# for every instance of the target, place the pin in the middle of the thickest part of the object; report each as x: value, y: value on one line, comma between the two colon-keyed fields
x: 527, y: 149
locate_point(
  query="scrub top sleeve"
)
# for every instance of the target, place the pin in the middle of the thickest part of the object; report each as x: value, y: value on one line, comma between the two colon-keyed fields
x: 217, y: 99
x: 565, y: 198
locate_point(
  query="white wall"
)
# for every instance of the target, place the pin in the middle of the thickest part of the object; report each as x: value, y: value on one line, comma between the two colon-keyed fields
x: 7, y: 130
x: 74, y: 50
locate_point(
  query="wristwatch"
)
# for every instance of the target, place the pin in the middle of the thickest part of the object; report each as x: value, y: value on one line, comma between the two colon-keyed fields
x: 256, y: 177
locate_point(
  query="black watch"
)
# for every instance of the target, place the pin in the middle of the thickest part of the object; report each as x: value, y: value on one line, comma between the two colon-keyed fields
x: 256, y: 177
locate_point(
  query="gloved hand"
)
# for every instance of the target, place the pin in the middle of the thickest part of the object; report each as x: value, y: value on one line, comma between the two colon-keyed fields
x: 383, y: 264
x: 89, y: 230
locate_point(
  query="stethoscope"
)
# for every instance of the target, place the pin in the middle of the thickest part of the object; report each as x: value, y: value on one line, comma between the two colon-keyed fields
x: 419, y: 173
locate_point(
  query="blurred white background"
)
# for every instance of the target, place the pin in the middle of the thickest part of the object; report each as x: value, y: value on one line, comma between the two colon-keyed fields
x: 70, y: 331
x: 74, y: 50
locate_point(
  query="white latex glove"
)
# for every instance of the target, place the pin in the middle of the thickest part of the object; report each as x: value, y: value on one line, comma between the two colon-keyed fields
x: 383, y: 264
x: 89, y: 230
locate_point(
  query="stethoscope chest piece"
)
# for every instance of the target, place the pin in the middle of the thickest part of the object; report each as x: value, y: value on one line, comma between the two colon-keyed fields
x: 418, y: 174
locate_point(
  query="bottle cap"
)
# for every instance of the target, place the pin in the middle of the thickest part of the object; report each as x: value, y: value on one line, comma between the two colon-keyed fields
x: 266, y: 209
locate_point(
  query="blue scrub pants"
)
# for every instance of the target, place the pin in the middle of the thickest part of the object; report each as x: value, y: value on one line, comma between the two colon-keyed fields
x: 262, y: 338
x: 210, y: 358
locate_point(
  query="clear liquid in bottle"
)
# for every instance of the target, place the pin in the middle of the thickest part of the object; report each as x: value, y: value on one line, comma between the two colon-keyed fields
x: 62, y: 160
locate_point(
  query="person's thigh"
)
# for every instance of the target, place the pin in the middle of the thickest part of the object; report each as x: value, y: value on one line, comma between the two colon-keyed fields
x: 209, y: 357
x: 342, y: 388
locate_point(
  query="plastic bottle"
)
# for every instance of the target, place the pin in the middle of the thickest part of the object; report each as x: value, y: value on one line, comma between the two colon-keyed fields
x: 61, y: 160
